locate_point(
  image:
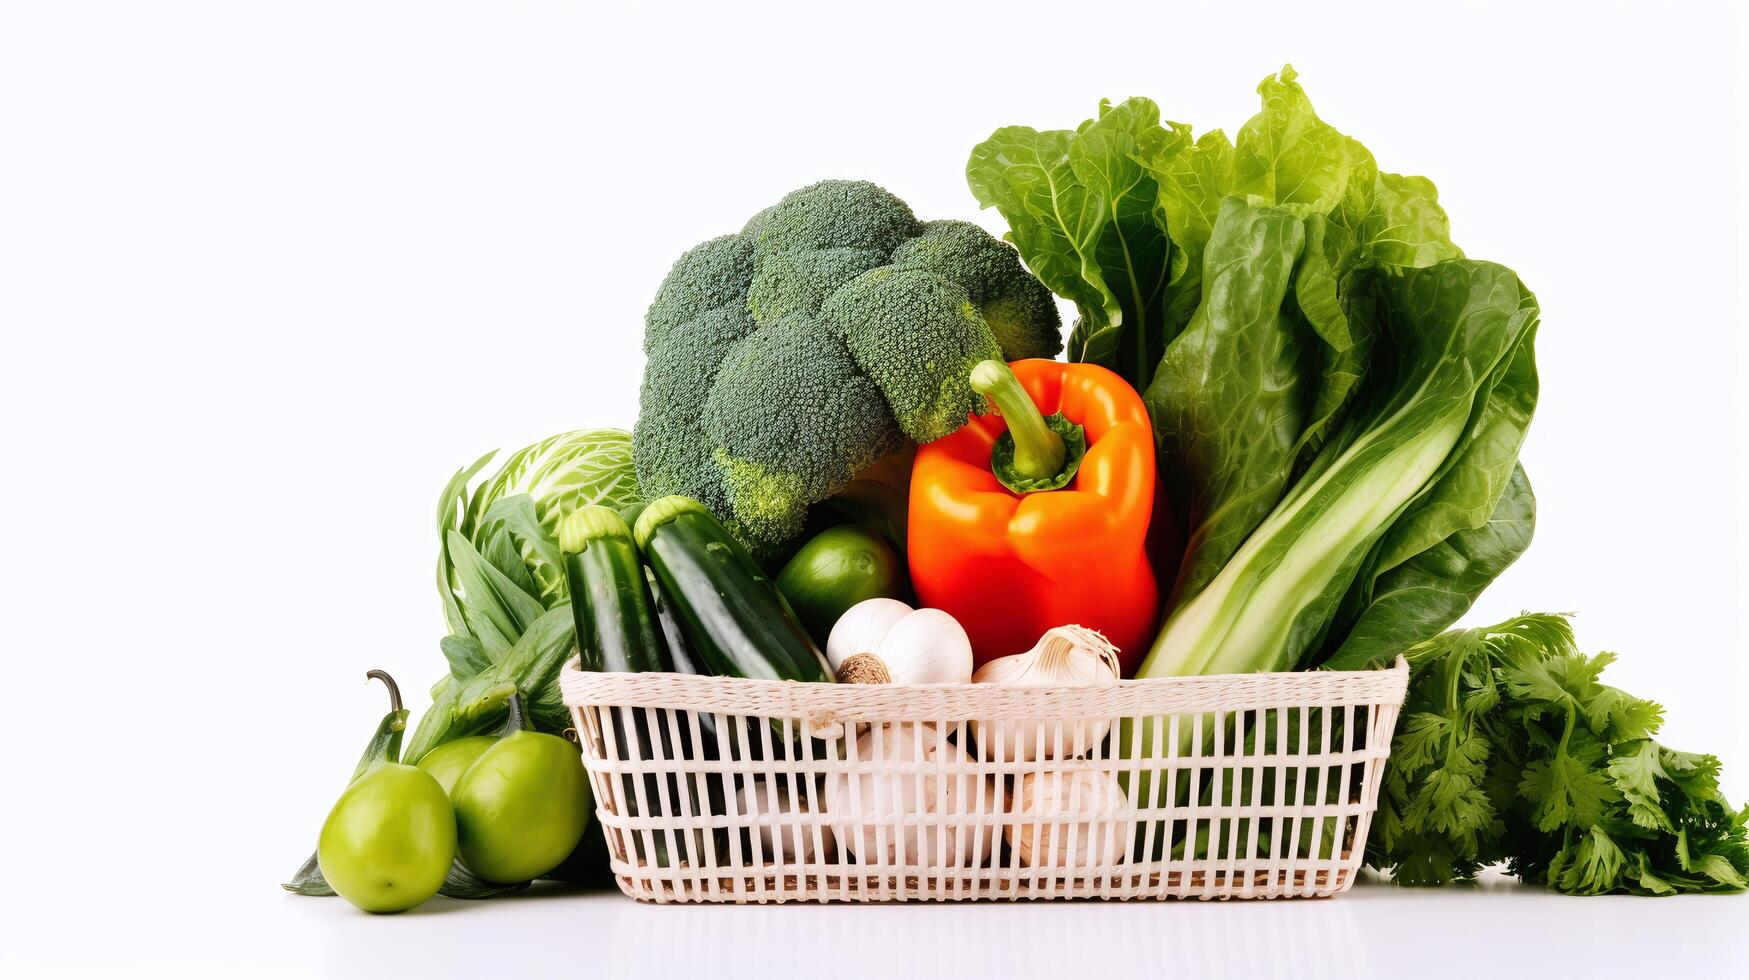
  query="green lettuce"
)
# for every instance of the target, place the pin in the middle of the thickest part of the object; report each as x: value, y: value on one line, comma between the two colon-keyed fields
x: 1338, y: 394
x: 1082, y: 208
x: 1401, y: 467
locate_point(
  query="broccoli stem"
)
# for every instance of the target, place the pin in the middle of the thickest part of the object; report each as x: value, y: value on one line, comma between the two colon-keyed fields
x: 1039, y: 452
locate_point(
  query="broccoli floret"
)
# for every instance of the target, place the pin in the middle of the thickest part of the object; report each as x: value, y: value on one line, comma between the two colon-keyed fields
x: 1019, y: 310
x: 837, y: 214
x: 918, y: 336
x: 750, y: 230
x: 799, y: 281
x: 792, y: 420
x: 672, y: 450
x: 708, y: 276
x: 783, y: 359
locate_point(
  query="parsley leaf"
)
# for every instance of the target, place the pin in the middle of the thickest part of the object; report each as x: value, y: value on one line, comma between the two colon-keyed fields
x: 1511, y: 748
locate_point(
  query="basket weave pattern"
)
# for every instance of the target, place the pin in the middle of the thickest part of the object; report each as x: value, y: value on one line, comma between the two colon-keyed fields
x: 729, y: 790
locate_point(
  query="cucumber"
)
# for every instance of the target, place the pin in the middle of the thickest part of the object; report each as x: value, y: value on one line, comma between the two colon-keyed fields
x: 680, y: 652
x: 734, y: 618
x: 685, y: 662
x: 610, y: 601
x: 618, y: 632
x: 838, y: 568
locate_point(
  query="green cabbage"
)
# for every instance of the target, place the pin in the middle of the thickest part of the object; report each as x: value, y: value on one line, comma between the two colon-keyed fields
x: 503, y: 584
x: 498, y: 568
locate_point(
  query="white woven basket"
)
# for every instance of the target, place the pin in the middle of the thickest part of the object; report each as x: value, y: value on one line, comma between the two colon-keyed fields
x: 1238, y: 786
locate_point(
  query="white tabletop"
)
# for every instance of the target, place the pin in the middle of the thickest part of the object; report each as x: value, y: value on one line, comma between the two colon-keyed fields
x: 1497, y: 927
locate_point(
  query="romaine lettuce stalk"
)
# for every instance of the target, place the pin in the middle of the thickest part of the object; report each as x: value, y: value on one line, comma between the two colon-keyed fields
x: 1452, y: 331
x: 1415, y: 456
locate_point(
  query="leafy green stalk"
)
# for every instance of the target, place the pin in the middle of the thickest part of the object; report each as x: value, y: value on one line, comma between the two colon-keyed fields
x: 1403, y: 606
x: 1238, y: 365
x: 1272, y: 603
x: 476, y: 705
x: 1241, y: 300
x: 1080, y: 207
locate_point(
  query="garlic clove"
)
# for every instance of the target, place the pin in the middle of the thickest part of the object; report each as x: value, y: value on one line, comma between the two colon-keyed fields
x: 1066, y: 656
x: 1079, y: 819
x: 769, y: 806
x: 928, y: 646
x: 862, y: 628
x: 871, y: 822
x: 867, y: 810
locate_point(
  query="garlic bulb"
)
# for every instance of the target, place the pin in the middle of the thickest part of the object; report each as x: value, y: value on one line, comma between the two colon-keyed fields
x: 769, y: 805
x: 1080, y: 819
x: 882, y: 641
x: 862, y: 627
x: 867, y: 811
x: 1066, y: 656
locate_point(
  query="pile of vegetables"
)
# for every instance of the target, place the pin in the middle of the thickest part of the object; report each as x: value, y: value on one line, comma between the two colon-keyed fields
x: 478, y: 817
x: 1337, y: 395
x: 1286, y: 437
x: 502, y: 580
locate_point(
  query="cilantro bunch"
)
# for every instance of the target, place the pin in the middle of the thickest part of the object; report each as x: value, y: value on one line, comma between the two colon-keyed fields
x: 1510, y: 749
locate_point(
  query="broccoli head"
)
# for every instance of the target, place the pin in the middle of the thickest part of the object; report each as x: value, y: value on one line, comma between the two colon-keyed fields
x: 782, y: 360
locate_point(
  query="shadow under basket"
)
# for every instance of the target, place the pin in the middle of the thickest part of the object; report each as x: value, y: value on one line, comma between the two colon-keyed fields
x: 1237, y: 786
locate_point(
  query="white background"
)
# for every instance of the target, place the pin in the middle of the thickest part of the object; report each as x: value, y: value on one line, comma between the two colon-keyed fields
x: 269, y: 273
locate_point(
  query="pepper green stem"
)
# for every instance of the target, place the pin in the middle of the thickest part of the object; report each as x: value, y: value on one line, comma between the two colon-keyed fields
x: 1038, y: 452
x: 385, y: 743
x: 518, y: 719
x: 389, y: 682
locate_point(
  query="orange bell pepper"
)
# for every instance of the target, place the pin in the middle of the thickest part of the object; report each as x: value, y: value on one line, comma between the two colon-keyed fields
x: 1059, y: 537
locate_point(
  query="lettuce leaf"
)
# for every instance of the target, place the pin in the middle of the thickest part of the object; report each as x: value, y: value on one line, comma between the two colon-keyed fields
x: 1445, y: 334
x: 1427, y: 593
x: 1227, y: 400
x: 1338, y: 395
x: 1082, y: 209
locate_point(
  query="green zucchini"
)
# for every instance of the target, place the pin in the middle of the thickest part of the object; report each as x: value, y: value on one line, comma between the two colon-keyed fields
x: 610, y: 601
x: 838, y: 568
x: 734, y: 618
x: 685, y: 661
x: 680, y: 652
x: 618, y: 632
